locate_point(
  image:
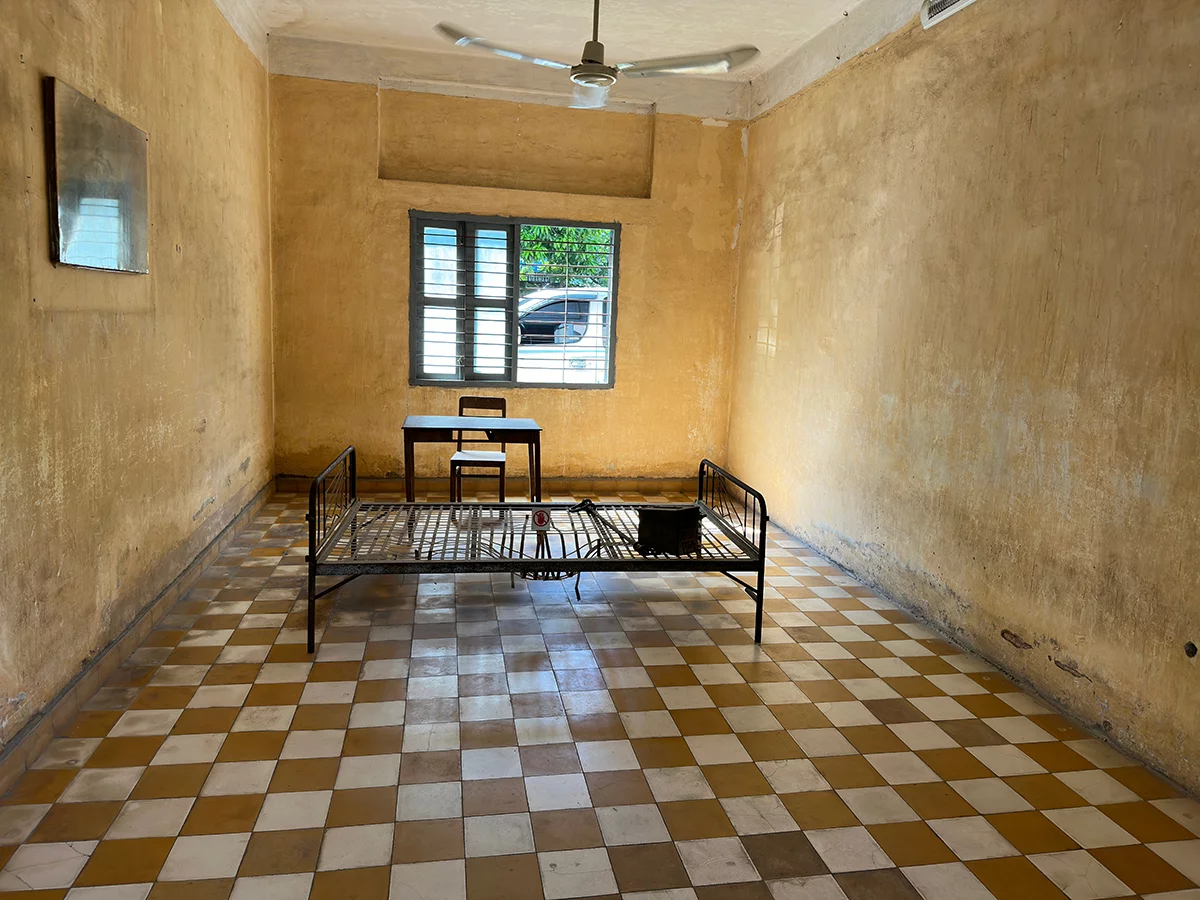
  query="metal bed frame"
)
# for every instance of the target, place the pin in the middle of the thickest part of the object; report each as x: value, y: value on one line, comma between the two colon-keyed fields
x: 349, y: 537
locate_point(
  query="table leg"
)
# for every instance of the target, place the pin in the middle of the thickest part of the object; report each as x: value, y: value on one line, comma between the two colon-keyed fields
x: 534, y: 496
x: 410, y: 480
x: 537, y: 449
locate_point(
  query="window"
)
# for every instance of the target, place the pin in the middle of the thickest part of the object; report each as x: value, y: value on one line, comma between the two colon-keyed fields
x: 94, y: 223
x: 96, y: 241
x: 512, y: 302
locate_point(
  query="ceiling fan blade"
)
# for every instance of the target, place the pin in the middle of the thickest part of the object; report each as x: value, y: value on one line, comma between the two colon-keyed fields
x: 701, y: 64
x: 459, y: 37
x: 589, y: 96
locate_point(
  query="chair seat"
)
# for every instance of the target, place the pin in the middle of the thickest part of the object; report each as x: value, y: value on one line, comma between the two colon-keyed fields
x: 477, y: 457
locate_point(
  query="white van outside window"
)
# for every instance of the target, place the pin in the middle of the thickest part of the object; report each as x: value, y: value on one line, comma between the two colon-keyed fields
x: 516, y: 303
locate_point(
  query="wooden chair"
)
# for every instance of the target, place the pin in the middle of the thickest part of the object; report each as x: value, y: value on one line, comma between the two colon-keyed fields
x: 476, y: 459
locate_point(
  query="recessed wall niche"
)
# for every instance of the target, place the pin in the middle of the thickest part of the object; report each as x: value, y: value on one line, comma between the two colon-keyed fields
x: 521, y: 146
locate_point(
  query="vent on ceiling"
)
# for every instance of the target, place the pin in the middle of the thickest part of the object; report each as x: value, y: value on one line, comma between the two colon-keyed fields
x: 934, y: 11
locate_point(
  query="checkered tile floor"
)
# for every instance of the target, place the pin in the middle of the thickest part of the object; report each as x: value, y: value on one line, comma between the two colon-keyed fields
x: 464, y: 738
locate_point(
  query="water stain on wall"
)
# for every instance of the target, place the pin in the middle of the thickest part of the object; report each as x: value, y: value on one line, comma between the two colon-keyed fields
x: 965, y: 356
x: 107, y: 487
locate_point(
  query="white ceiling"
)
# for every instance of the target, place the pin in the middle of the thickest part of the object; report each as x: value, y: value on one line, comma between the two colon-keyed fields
x: 392, y: 41
x: 629, y: 29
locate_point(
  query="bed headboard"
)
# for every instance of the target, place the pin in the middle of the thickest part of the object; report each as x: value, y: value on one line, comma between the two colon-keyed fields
x: 737, y: 504
x: 332, y: 495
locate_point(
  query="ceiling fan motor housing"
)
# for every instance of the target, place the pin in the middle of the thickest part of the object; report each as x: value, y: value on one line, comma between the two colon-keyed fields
x: 593, y: 52
x: 591, y: 70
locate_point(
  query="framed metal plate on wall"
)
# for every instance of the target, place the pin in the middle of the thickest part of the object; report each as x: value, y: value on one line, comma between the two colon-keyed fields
x: 97, y: 173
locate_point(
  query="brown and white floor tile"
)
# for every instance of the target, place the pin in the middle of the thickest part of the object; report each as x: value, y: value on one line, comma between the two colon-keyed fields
x: 476, y: 738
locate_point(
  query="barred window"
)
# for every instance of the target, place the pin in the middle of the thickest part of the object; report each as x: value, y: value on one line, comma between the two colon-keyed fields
x: 519, y: 303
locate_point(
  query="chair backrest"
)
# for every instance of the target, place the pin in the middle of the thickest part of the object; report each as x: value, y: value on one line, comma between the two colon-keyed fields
x: 470, y: 405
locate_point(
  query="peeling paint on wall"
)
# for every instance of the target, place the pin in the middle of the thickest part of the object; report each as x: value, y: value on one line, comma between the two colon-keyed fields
x: 1016, y: 640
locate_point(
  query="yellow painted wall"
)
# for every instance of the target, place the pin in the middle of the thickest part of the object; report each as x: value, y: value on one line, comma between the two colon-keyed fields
x: 966, y: 346
x: 340, y: 239
x: 460, y: 140
x: 962, y: 362
x: 136, y: 409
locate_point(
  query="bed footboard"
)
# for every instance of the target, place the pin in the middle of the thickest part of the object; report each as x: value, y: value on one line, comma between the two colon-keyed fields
x: 332, y: 496
x: 743, y: 512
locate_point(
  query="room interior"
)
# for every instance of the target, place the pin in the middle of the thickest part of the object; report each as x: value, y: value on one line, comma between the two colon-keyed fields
x: 930, y: 289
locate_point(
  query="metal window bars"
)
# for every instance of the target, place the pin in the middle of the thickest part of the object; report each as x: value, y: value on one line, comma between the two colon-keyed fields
x: 512, y: 302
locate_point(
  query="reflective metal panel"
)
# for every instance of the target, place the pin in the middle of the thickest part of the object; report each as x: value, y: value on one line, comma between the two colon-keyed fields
x: 98, y: 196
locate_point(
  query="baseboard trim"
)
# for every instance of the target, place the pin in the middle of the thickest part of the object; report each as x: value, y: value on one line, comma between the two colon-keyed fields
x: 517, y: 487
x: 28, y: 743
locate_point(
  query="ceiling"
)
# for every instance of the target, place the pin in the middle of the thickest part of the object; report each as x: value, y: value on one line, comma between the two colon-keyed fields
x: 392, y: 42
x: 629, y: 29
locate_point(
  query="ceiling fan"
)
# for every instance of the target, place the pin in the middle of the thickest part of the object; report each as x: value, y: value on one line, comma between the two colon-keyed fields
x: 593, y: 78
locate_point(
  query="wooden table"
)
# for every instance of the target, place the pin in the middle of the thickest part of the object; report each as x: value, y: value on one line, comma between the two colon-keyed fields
x: 444, y: 429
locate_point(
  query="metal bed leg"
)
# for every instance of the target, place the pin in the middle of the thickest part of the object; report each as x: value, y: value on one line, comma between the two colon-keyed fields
x: 758, y: 600
x: 312, y: 607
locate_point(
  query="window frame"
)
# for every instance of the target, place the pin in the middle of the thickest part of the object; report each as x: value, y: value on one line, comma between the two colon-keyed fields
x: 465, y: 224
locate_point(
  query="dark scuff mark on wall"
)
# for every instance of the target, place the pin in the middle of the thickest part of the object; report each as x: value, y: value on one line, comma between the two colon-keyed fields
x: 1070, y: 669
x: 1016, y: 640
x: 203, y: 506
